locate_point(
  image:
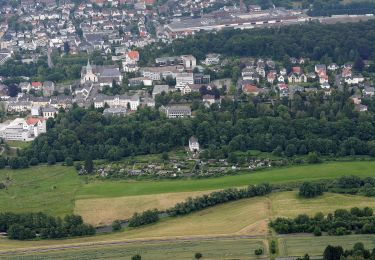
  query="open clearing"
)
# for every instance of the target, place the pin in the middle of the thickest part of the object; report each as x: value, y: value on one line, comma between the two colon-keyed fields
x: 48, y: 189
x: 103, y: 211
x: 224, y: 249
x: 289, y: 204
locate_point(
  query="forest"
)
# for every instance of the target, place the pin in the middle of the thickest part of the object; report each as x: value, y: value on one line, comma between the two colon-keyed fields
x: 24, y: 226
x: 338, y: 43
x: 308, y: 123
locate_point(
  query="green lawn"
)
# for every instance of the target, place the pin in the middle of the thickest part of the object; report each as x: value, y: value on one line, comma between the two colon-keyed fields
x: 330, y: 170
x: 314, y: 246
x: 43, y: 188
x: 224, y: 249
x: 18, y: 144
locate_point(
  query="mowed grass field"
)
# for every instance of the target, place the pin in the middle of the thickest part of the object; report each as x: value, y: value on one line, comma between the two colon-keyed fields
x: 314, y: 246
x: 224, y: 249
x: 289, y: 204
x: 48, y: 189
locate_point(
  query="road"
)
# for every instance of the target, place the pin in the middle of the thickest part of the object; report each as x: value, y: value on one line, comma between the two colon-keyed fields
x: 119, y: 243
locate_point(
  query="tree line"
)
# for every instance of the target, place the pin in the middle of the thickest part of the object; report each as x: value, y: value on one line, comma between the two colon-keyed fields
x: 199, y: 203
x: 341, y: 222
x: 22, y: 226
x: 357, y: 252
x: 218, y: 197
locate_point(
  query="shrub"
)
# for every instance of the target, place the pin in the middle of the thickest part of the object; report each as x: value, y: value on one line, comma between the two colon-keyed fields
x: 33, y: 161
x: 313, y: 157
x: 51, y: 159
x: 116, y: 225
x: 311, y: 190
x: 147, y: 217
x: 273, y: 247
x: 68, y: 161
x: 317, y: 232
x: 136, y: 257
x: 258, y: 251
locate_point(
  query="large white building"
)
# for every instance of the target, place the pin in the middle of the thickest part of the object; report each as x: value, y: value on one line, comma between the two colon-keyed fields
x: 125, y: 101
x: 22, y: 129
x: 183, y: 79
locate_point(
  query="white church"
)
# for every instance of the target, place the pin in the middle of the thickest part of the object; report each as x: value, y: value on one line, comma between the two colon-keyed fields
x: 102, y: 75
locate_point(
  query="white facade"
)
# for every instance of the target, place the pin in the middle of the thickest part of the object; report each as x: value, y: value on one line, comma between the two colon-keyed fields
x: 193, y: 144
x: 23, y: 129
x: 183, y: 79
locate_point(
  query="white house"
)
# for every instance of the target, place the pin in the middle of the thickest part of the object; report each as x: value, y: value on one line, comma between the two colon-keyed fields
x: 193, y: 144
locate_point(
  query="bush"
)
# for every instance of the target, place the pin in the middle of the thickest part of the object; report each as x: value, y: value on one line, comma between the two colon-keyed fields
x: 136, y: 257
x: 51, y: 159
x: 258, y: 251
x: 19, y: 232
x: 311, y: 190
x: 317, y: 232
x: 312, y: 158
x: 116, y: 225
x: 273, y: 247
x: 68, y: 161
x: 3, y: 162
x: 147, y: 217
x: 33, y: 161
x: 198, y: 256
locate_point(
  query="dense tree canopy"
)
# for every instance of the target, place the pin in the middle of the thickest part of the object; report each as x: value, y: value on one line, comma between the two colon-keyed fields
x: 309, y: 123
x: 339, y: 43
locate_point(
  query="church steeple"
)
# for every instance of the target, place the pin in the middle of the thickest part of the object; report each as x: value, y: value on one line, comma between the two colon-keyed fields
x: 88, y: 67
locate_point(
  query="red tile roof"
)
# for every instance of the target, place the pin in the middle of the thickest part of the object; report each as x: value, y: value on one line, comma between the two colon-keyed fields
x: 134, y: 55
x: 36, y: 84
x: 248, y: 88
x: 34, y: 120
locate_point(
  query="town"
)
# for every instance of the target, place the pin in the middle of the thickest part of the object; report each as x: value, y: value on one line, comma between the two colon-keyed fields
x: 182, y: 76
x: 187, y: 129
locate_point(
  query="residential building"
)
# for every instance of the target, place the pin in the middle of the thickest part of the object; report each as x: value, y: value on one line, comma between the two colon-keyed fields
x: 158, y: 89
x: 212, y: 59
x: 193, y: 144
x: 176, y: 111
x: 49, y: 112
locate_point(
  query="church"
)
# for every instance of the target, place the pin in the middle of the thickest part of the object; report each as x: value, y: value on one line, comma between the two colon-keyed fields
x: 102, y: 75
